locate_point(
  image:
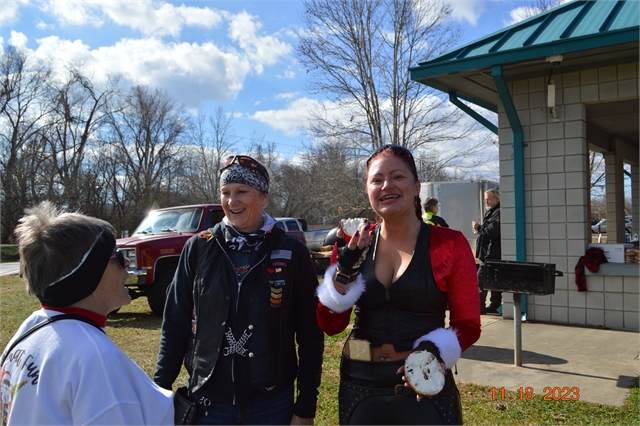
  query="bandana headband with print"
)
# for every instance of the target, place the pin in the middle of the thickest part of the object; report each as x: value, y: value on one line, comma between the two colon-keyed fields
x: 236, y: 173
x: 84, y: 278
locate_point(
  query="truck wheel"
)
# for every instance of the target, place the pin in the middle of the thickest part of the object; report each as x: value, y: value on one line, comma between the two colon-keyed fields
x: 157, y: 292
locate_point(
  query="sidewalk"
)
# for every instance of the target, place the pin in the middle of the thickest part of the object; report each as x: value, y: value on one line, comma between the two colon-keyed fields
x: 600, y: 364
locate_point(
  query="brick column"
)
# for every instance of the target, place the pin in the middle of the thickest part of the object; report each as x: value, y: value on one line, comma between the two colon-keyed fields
x: 635, y: 199
x: 614, y: 197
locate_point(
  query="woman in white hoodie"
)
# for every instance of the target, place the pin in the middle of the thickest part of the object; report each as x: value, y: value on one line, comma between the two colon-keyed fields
x: 68, y: 371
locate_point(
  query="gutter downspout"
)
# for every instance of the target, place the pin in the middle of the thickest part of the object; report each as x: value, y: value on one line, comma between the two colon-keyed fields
x: 518, y: 159
x: 518, y: 176
x: 453, y: 98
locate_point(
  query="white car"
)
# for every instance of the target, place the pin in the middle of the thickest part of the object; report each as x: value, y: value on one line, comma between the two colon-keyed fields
x: 601, y: 227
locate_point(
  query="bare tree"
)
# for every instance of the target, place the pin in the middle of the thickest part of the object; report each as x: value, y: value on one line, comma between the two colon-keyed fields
x: 324, y: 184
x: 357, y: 53
x: 79, y: 111
x: 213, y: 138
x: 146, y: 133
x: 24, y: 83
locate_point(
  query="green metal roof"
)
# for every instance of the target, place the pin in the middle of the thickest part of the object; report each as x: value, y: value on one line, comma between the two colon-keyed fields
x: 569, y: 30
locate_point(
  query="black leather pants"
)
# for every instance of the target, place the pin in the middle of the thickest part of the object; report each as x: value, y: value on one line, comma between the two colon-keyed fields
x: 372, y: 393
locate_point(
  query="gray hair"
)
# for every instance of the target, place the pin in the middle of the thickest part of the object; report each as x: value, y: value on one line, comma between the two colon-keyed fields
x: 430, y: 204
x: 493, y: 192
x: 51, y: 243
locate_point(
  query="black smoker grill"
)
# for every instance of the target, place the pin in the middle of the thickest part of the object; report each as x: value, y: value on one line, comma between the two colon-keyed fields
x: 520, y: 277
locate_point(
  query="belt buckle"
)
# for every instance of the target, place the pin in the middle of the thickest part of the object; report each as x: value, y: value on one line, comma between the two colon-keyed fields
x: 402, y: 390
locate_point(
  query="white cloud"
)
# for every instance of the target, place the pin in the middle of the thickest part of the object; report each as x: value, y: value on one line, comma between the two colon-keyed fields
x: 262, y: 50
x: 467, y: 10
x: 18, y: 39
x: 10, y: 10
x: 520, y: 13
x: 286, y: 95
x: 289, y: 120
x: 148, y: 17
x: 74, y: 13
x: 166, y: 19
x: 41, y: 25
x: 191, y: 73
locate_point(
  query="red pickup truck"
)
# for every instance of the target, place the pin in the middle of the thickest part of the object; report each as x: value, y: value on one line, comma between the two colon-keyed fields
x: 154, y: 248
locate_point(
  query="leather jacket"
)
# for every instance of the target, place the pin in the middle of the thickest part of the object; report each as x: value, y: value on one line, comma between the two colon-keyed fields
x: 198, y: 305
x: 488, y: 242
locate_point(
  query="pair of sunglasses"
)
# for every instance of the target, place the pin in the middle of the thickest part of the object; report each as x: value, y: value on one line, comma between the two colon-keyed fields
x: 246, y: 162
x: 395, y: 148
x: 120, y: 258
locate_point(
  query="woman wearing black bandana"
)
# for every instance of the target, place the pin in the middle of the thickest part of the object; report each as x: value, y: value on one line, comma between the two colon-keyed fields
x: 242, y: 297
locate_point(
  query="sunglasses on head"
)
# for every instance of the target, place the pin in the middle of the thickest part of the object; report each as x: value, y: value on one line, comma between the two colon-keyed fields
x: 395, y: 148
x: 119, y: 257
x: 246, y: 162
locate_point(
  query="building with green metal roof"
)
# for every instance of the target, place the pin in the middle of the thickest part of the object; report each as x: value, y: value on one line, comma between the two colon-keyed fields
x: 562, y: 83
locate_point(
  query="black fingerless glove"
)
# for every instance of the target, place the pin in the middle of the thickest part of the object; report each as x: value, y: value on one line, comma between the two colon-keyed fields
x: 349, y: 261
x: 427, y: 345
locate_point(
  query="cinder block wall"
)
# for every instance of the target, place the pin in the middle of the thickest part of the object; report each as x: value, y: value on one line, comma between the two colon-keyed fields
x: 557, y: 196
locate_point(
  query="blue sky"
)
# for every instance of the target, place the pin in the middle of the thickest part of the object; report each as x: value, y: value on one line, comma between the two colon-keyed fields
x: 237, y: 54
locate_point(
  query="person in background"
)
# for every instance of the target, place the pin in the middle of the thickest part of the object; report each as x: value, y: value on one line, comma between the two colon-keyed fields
x: 488, y: 247
x: 430, y: 214
x: 242, y: 297
x: 400, y: 275
x: 70, y: 372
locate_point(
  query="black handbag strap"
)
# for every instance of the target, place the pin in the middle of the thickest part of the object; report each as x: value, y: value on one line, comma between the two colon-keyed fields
x: 41, y: 324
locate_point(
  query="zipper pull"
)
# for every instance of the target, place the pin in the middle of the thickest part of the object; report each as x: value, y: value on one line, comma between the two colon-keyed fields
x: 206, y: 402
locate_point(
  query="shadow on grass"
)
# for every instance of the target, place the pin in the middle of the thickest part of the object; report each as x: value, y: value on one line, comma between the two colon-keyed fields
x: 143, y: 320
x: 505, y: 356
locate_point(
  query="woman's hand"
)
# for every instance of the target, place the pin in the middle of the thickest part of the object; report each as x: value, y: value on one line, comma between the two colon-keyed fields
x: 406, y: 383
x: 354, y: 253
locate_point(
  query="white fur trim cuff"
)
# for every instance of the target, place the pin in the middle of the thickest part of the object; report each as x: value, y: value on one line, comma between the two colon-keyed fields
x: 329, y: 296
x: 447, y: 342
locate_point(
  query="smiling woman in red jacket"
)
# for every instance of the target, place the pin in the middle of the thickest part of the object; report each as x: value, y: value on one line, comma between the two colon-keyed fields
x: 401, y: 275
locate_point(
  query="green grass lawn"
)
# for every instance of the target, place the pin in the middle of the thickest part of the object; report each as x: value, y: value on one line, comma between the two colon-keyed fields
x: 137, y: 332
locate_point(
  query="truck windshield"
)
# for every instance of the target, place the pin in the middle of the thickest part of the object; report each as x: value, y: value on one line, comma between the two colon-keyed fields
x: 175, y: 220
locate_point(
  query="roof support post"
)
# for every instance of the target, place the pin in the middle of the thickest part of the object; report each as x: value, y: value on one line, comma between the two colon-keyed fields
x: 453, y: 98
x: 519, y: 301
x: 518, y: 159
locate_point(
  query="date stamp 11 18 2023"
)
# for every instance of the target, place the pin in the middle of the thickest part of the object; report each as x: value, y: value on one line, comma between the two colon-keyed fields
x: 550, y: 393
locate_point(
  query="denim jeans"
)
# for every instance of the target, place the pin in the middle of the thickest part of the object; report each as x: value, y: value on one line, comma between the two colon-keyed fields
x: 276, y: 409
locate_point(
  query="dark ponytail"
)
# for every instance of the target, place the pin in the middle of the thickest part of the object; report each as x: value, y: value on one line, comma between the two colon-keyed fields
x: 417, y: 205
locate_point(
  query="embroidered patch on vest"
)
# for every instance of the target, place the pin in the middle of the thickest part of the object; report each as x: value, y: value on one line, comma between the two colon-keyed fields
x: 277, y: 287
x: 281, y: 254
x: 277, y: 272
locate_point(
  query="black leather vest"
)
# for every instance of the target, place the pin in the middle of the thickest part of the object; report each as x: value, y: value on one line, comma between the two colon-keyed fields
x: 412, y: 307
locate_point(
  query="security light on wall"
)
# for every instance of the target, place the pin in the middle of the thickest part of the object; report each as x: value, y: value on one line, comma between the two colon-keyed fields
x: 551, y: 99
x: 555, y: 60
